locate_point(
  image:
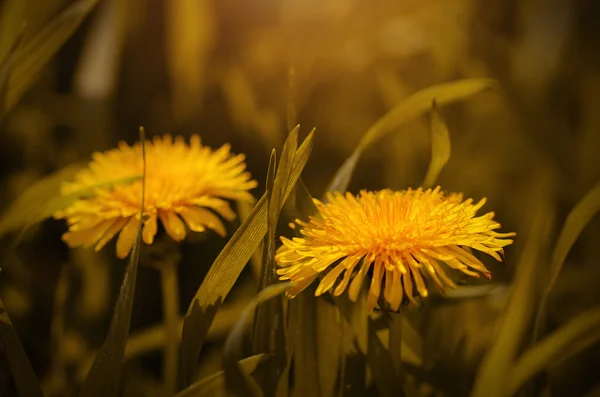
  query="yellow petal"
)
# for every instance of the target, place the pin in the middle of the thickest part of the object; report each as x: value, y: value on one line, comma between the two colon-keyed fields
x: 174, y: 226
x: 110, y: 233
x: 150, y: 228
x: 198, y: 218
x: 127, y: 238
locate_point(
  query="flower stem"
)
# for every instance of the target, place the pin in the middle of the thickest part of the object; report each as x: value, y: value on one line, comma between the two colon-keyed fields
x: 170, y: 291
x: 395, y: 341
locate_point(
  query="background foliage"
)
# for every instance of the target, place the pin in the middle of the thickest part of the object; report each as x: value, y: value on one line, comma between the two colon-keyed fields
x: 77, y: 76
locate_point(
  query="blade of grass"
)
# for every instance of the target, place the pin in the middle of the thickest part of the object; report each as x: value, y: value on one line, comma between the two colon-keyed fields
x: 227, y: 267
x: 105, y: 373
x: 493, y: 371
x: 440, y: 146
x: 43, y: 199
x: 236, y: 381
x: 306, y: 365
x: 329, y: 349
x: 26, y: 383
x: 576, y: 221
x: 268, y: 323
x: 38, y: 51
x: 412, y: 107
x: 214, y: 385
x: 572, y: 338
x: 5, y: 70
x: 244, y: 208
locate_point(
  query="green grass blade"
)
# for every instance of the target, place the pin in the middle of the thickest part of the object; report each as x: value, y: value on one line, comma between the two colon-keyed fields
x: 214, y: 385
x: 5, y: 69
x: 572, y: 338
x: 105, y: 373
x: 492, y: 373
x: 43, y: 199
x: 26, y: 383
x: 236, y: 381
x: 306, y: 365
x: 440, y: 146
x: 37, y: 52
x: 409, y: 109
x: 576, y: 221
x: 229, y: 264
x: 268, y: 335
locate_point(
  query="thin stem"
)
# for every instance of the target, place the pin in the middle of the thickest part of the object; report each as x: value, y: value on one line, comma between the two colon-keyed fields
x: 395, y: 341
x: 170, y: 291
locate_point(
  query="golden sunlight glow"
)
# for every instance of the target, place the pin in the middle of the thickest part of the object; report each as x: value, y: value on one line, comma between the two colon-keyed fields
x: 184, y: 183
x: 398, y: 234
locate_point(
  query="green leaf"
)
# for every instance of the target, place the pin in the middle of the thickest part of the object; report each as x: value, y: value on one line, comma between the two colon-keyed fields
x: 37, y: 52
x: 214, y: 385
x: 578, y: 218
x: 43, y: 199
x: 236, y: 381
x: 268, y: 335
x: 105, y: 373
x: 306, y: 364
x: 229, y: 264
x: 572, y: 338
x: 494, y: 369
x: 25, y: 380
x: 440, y: 146
x: 5, y: 69
x: 412, y: 107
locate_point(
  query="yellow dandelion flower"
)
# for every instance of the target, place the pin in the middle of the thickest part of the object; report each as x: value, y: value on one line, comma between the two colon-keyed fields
x: 398, y: 234
x: 184, y: 183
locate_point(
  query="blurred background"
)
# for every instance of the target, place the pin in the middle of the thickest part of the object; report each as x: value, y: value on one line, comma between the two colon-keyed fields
x: 227, y: 70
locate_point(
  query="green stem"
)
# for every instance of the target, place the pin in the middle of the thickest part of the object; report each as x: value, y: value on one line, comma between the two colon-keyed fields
x: 395, y: 341
x: 170, y: 290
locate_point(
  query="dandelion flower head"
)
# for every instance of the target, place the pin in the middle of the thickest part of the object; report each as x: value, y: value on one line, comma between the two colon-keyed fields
x: 185, y: 185
x: 398, y: 235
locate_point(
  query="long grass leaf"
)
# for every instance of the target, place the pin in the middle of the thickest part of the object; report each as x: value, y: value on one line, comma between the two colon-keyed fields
x: 412, y: 107
x: 43, y: 199
x: 492, y: 373
x: 268, y: 336
x: 214, y: 385
x: 236, y: 381
x: 38, y: 51
x: 572, y: 338
x: 5, y: 69
x: 227, y: 267
x: 440, y: 146
x: 306, y: 365
x: 105, y: 373
x: 26, y: 383
x: 576, y: 221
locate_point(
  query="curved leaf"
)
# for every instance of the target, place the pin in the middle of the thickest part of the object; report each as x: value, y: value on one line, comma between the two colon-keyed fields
x: 440, y: 146
x: 577, y: 335
x: 35, y: 53
x: 214, y: 385
x: 43, y: 198
x: 412, y: 107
